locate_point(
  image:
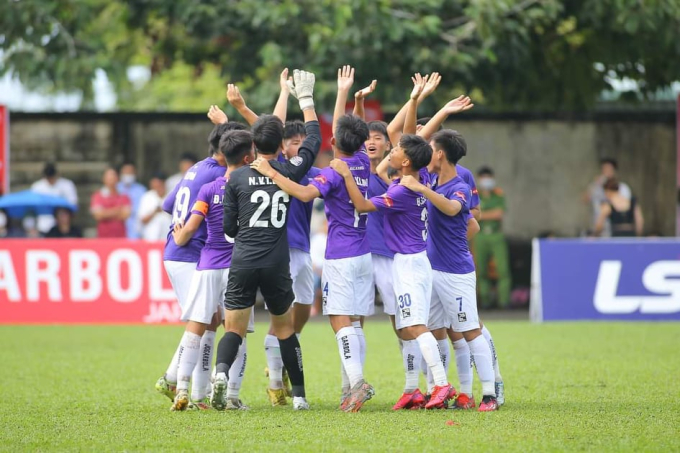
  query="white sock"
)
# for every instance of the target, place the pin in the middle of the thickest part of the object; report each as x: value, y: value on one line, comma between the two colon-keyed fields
x: 445, y: 354
x: 430, y: 349
x: 349, y: 348
x: 171, y: 372
x: 494, y: 354
x: 188, y: 356
x: 411, y: 357
x: 464, y: 365
x: 237, y: 371
x: 345, y: 378
x: 274, y: 361
x: 480, y: 350
x: 362, y: 341
x: 429, y: 380
x: 200, y: 378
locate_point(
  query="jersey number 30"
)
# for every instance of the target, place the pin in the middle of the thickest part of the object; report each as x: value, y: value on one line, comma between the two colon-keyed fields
x: 278, y: 214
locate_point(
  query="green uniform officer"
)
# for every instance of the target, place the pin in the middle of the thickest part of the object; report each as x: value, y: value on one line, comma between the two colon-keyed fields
x: 490, y: 243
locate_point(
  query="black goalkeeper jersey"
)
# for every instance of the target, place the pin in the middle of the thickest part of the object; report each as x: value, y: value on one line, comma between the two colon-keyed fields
x: 256, y: 209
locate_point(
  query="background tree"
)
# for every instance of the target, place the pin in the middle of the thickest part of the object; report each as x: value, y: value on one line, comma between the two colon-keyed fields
x: 509, y: 54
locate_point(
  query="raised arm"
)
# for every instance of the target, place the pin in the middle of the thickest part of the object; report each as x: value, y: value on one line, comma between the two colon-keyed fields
x: 411, y: 120
x: 302, y: 193
x: 236, y: 100
x: 360, y: 203
x: 345, y: 82
x: 460, y: 104
x: 359, y: 97
x: 396, y: 126
x: 383, y: 166
x: 445, y: 205
x: 281, y: 107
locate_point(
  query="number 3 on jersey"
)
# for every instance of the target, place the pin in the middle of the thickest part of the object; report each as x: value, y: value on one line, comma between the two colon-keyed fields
x: 278, y: 214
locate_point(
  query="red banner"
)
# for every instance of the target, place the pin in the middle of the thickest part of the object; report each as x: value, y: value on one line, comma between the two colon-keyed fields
x: 84, y: 281
x: 4, y: 150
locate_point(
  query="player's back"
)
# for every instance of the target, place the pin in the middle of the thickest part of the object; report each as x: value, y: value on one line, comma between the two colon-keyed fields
x: 216, y: 254
x: 181, y: 200
x: 299, y: 217
x: 375, y: 230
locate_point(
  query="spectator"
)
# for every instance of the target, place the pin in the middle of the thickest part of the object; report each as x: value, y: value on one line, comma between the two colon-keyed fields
x: 53, y: 184
x: 129, y: 186
x: 490, y: 243
x: 186, y: 161
x: 64, y: 227
x: 109, y: 208
x: 155, y: 222
x: 29, y: 225
x: 595, y: 194
x: 624, y: 214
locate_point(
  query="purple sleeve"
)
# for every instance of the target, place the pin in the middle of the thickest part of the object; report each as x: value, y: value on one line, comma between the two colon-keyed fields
x: 460, y: 194
x: 202, y: 203
x: 169, y: 201
x: 313, y: 172
x: 391, y: 200
x: 325, y: 181
x: 474, y: 199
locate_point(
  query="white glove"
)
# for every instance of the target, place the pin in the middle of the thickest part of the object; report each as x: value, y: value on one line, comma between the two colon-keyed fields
x: 303, y: 88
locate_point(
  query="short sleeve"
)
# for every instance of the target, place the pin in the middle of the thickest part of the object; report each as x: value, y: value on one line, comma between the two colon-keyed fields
x: 325, y: 181
x: 392, y: 200
x: 202, y: 203
x: 462, y: 195
x: 313, y: 172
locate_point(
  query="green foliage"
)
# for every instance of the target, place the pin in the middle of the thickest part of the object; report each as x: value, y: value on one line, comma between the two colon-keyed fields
x: 569, y: 387
x: 518, y: 54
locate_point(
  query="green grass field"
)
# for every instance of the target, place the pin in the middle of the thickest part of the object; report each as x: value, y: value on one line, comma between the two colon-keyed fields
x: 582, y: 386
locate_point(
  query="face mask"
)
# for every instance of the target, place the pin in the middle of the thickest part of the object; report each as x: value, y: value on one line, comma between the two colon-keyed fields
x: 28, y: 223
x: 128, y: 179
x: 3, y: 220
x: 487, y: 183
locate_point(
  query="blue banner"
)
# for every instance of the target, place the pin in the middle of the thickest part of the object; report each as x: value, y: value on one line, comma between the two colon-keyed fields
x: 605, y: 279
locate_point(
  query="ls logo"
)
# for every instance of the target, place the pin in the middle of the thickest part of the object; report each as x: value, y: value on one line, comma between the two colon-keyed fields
x: 660, y: 277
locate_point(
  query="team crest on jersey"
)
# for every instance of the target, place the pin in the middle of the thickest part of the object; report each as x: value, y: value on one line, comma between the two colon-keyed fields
x: 461, y: 195
x: 405, y: 313
x: 322, y: 179
x: 297, y: 161
x: 388, y: 201
x: 462, y: 317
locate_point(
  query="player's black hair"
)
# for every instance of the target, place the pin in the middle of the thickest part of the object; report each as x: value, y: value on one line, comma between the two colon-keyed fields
x: 380, y: 127
x: 50, y: 170
x: 294, y: 129
x: 191, y: 157
x: 611, y: 161
x: 611, y: 184
x: 159, y: 175
x: 485, y: 171
x: 268, y: 134
x: 452, y: 143
x: 424, y: 120
x: 350, y: 133
x: 219, y: 130
x: 417, y: 150
x: 392, y: 172
x: 235, y: 144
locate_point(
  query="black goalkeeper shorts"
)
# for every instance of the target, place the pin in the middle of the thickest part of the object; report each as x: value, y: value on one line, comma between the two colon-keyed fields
x: 275, y: 284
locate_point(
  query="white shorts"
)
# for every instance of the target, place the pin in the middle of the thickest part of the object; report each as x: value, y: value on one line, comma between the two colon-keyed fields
x: 206, y: 295
x: 412, y: 275
x: 382, y: 276
x: 180, y: 275
x: 347, y: 286
x: 303, y: 276
x: 454, y: 302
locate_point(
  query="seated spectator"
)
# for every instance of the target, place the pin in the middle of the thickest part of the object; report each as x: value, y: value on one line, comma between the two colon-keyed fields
x: 109, y: 208
x: 53, y: 184
x: 30, y: 227
x: 64, y: 227
x: 186, y: 161
x: 129, y: 186
x: 624, y: 214
x: 155, y: 222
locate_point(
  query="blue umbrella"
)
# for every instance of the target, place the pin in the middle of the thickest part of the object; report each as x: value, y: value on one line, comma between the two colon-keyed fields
x: 21, y: 203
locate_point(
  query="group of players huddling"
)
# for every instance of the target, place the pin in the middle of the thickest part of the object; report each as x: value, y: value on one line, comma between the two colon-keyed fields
x: 400, y: 211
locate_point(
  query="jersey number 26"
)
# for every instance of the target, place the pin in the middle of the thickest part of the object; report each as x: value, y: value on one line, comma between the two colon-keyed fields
x: 278, y: 214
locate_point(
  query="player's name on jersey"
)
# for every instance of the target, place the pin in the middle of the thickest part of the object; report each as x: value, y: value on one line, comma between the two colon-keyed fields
x: 363, y: 182
x: 260, y: 181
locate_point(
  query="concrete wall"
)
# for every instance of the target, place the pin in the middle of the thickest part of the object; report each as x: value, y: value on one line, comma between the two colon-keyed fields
x: 542, y: 163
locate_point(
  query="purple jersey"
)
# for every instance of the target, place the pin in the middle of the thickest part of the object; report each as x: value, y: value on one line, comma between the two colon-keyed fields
x: 216, y: 254
x: 466, y: 175
x: 447, y: 245
x: 179, y: 204
x: 375, y: 229
x: 405, y: 217
x: 346, y: 227
x: 300, y: 216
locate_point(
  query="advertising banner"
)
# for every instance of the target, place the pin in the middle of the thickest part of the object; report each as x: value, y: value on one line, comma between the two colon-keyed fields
x: 84, y: 281
x: 4, y: 150
x: 605, y: 279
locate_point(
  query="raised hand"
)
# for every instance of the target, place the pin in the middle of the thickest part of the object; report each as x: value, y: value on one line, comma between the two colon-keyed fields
x: 419, y: 83
x: 262, y: 166
x: 283, y: 81
x: 216, y: 115
x: 431, y: 85
x: 341, y: 167
x: 304, y: 88
x: 460, y: 104
x: 234, y: 96
x: 361, y: 94
x: 412, y: 183
x: 345, y: 78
